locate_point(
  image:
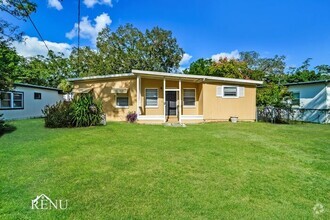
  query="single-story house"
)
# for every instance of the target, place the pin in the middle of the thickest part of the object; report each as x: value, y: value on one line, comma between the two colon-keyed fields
x: 27, y: 101
x: 159, y: 97
x: 312, y: 99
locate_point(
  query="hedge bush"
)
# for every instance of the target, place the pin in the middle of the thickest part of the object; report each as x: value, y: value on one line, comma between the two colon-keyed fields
x: 83, y: 111
x: 58, y: 115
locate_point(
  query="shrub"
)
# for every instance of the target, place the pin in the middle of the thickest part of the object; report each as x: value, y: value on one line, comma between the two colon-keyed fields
x: 57, y: 115
x: 86, y: 111
x: 2, y: 124
x: 131, y: 117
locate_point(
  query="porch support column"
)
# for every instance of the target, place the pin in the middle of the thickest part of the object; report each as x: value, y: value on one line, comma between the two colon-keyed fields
x: 164, y: 97
x: 180, y: 102
x: 138, y: 94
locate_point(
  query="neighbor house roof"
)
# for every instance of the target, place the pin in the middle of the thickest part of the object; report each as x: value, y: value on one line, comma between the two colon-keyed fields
x: 309, y: 82
x: 170, y: 76
x: 36, y: 86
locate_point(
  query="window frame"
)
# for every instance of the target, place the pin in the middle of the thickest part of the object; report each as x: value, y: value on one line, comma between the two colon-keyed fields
x: 35, y: 93
x: 293, y: 99
x: 12, y: 100
x: 145, y: 94
x: 230, y: 97
x: 119, y: 106
x: 183, y: 97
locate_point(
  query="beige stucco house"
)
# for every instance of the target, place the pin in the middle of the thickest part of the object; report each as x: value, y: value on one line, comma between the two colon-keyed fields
x: 188, y: 98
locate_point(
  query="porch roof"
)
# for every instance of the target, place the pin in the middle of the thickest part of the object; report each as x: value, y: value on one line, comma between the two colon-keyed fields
x: 170, y: 76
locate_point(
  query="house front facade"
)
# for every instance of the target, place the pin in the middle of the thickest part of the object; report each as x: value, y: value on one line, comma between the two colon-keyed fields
x: 159, y: 97
x: 312, y: 100
x: 27, y: 101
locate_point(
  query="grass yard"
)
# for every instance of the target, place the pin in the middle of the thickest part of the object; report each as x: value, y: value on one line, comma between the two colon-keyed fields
x: 131, y: 171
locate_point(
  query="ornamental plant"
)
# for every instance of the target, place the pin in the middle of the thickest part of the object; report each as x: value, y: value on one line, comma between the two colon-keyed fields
x: 131, y: 117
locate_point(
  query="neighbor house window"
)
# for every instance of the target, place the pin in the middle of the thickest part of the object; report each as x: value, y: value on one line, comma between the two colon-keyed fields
x: 11, y: 100
x: 151, y: 97
x: 37, y: 95
x: 296, y: 98
x: 230, y: 91
x: 122, y: 102
x: 189, y: 97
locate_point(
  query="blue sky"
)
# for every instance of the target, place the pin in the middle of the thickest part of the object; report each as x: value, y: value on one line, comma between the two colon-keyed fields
x: 298, y: 29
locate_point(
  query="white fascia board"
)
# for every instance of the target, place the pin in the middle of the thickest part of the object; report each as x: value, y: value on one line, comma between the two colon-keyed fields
x: 101, y: 77
x: 187, y: 76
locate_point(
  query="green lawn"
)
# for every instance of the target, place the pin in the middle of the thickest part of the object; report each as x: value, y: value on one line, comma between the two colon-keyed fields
x: 131, y: 171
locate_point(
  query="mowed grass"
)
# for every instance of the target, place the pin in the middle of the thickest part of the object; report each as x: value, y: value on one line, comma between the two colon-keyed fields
x: 132, y: 171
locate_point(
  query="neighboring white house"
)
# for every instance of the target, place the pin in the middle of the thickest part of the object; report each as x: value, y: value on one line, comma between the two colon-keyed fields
x: 312, y: 99
x: 27, y: 101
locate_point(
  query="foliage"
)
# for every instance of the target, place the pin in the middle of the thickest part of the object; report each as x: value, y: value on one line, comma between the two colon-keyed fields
x: 10, y: 66
x: 272, y: 95
x: 131, y: 117
x: 2, y: 124
x: 20, y: 9
x: 199, y: 67
x: 86, y: 111
x: 128, y: 48
x: 65, y: 86
x: 58, y: 115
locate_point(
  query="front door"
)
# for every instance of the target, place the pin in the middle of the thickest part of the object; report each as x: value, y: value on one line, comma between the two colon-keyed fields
x: 170, y: 103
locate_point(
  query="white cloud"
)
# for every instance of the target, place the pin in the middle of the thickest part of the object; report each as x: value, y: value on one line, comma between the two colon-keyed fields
x: 185, y: 59
x: 55, y: 4
x: 232, y: 55
x: 88, y: 30
x: 32, y: 46
x: 91, y: 3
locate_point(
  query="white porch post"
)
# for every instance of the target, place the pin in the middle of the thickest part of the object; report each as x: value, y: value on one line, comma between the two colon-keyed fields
x: 180, y: 109
x: 164, y: 97
x: 138, y: 94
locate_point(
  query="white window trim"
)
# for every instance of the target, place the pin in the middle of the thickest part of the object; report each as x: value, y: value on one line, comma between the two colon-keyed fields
x: 12, y: 100
x: 188, y: 106
x: 145, y: 94
x: 117, y: 106
x: 230, y: 97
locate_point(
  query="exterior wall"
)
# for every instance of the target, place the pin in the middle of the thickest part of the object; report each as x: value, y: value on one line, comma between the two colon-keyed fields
x: 221, y: 109
x: 102, y: 90
x: 188, y: 110
x: 32, y: 107
x: 208, y: 106
x: 152, y: 84
x: 312, y: 96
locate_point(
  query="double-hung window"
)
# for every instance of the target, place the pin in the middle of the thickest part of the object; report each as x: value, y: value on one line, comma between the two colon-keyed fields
x: 122, y: 102
x: 189, y: 97
x: 151, y: 97
x: 11, y: 100
x: 230, y: 91
x: 296, y: 98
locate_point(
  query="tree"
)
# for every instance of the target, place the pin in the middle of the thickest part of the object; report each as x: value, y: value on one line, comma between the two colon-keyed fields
x: 272, y: 94
x: 10, y: 66
x: 46, y: 71
x: 9, y: 60
x: 199, y: 67
x: 128, y: 48
x: 20, y: 9
x: 303, y: 73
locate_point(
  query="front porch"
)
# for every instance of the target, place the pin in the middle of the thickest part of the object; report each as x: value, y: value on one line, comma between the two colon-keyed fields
x: 166, y: 99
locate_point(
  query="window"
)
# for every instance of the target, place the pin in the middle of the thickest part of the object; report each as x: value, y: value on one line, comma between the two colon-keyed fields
x: 11, y: 100
x: 189, y: 97
x: 152, y: 97
x: 5, y: 100
x: 296, y: 98
x: 122, y: 102
x: 37, y: 95
x: 230, y: 91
